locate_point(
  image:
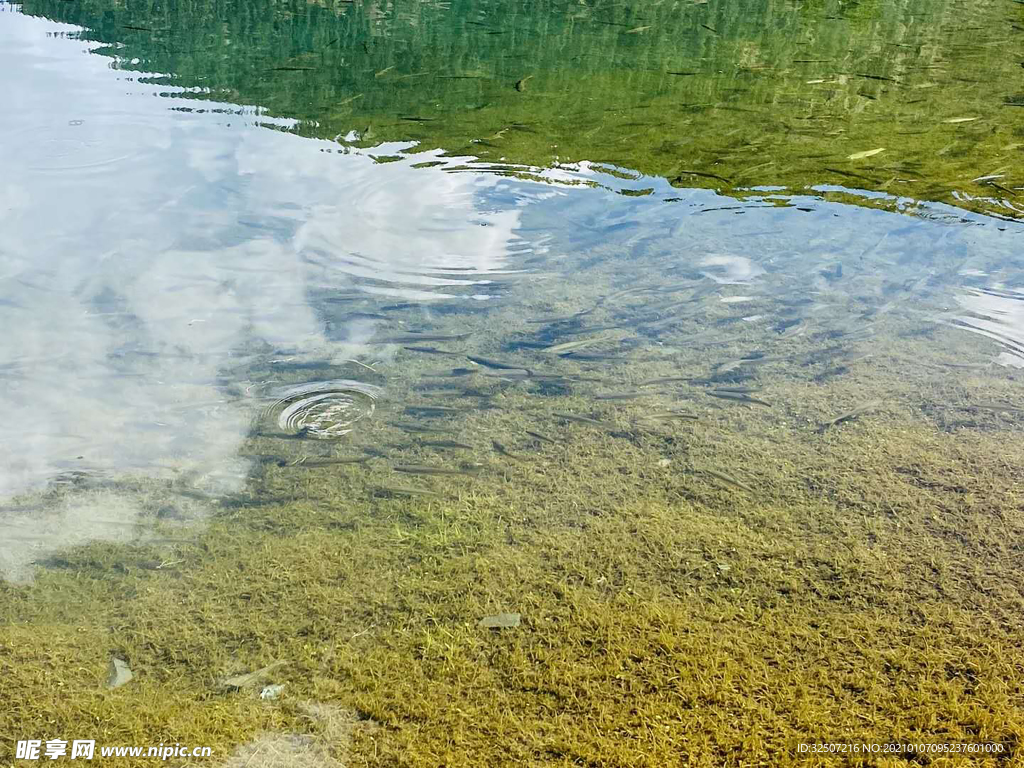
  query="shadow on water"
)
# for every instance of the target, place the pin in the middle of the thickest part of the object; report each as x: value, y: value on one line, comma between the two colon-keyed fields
x: 511, y: 359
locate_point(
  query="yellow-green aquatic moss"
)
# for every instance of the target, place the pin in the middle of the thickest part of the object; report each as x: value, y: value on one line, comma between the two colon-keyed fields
x: 869, y: 588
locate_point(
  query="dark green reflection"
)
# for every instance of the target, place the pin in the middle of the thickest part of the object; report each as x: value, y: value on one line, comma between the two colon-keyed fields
x: 727, y: 94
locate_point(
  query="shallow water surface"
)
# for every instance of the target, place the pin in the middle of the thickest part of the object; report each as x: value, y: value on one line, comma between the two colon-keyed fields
x: 689, y: 334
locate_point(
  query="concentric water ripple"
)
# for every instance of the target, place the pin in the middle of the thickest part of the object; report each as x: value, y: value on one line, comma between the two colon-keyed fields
x: 323, y: 409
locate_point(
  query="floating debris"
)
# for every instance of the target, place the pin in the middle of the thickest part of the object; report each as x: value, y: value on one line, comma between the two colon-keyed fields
x: 251, y: 678
x: 500, y: 621
x: 865, y: 153
x: 118, y: 673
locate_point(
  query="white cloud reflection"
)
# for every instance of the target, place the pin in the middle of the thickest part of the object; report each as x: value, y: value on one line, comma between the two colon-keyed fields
x: 142, y: 250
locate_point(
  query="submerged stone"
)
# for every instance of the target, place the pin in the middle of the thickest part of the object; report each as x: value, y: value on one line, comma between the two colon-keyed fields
x: 118, y: 673
x: 500, y: 621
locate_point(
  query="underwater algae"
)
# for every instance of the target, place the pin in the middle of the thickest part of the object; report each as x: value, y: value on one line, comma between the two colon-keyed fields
x: 864, y: 586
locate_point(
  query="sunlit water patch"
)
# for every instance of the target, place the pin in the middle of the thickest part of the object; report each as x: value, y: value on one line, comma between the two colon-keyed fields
x: 230, y: 261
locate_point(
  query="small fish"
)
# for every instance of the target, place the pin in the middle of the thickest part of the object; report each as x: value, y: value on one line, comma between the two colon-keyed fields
x: 741, y: 397
x: 521, y: 84
x: 423, y: 469
x: 487, y: 362
x: 595, y: 355
x: 960, y: 120
x: 345, y: 298
x: 671, y: 416
x: 590, y: 329
x: 414, y: 409
x: 559, y: 318
x: 876, y: 77
x: 406, y: 490
x: 433, y: 351
x: 447, y: 444
x: 539, y: 436
x: 412, y: 338
x: 417, y: 427
x: 627, y: 292
x: 851, y: 414
x: 310, y: 461
x: 513, y: 374
x: 302, y: 434
x: 499, y: 448
x: 624, y: 395
x: 243, y: 681
x: 797, y: 329
x: 454, y: 373
x: 636, y: 30
x: 989, y: 406
x: 569, y: 346
x: 585, y: 420
x: 727, y: 479
x: 362, y: 316
x: 664, y: 380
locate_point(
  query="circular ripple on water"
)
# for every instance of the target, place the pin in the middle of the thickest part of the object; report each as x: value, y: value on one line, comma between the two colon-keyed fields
x: 323, y: 409
x: 101, y: 142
